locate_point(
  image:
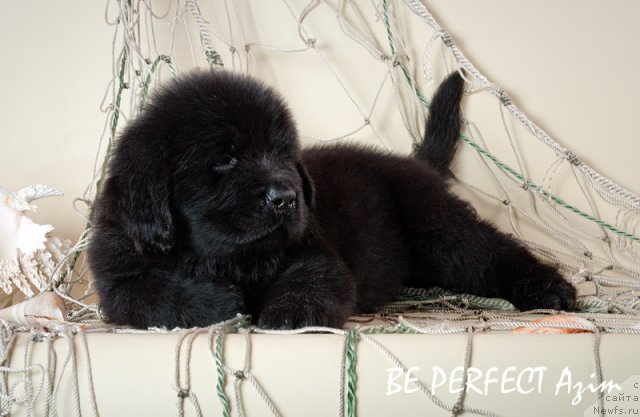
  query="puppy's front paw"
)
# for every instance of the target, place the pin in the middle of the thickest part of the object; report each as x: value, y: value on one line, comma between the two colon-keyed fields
x: 544, y: 288
x: 296, y: 310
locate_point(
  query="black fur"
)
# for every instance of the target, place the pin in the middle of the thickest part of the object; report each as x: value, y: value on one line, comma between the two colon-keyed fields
x: 211, y: 208
x: 442, y: 131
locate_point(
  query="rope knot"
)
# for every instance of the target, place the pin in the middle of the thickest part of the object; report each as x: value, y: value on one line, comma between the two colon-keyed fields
x: 446, y: 38
x: 214, y: 58
x: 572, y: 158
x: 484, y: 323
x: 311, y: 42
x: 457, y: 409
x: 183, y: 393
x: 36, y: 337
x: 240, y: 374
x: 504, y: 98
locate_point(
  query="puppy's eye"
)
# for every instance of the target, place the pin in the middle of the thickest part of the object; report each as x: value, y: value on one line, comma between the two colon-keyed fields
x: 225, y: 161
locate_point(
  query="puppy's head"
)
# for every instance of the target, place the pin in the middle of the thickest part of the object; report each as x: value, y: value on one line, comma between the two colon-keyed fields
x: 212, y: 164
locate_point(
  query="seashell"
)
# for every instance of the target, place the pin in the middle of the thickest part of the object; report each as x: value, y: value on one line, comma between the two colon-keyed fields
x: 8, y: 269
x: 21, y: 201
x: 17, y: 231
x: 28, y: 253
x: 40, y: 310
x: 36, y: 192
x: 582, y: 325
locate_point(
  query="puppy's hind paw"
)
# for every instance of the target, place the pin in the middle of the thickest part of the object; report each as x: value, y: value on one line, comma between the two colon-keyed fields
x: 544, y: 289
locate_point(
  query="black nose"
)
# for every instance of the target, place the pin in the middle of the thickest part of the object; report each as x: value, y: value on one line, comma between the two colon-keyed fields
x: 281, y: 198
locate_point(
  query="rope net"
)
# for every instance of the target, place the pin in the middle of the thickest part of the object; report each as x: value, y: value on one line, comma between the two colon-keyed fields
x: 370, y: 67
x: 362, y: 71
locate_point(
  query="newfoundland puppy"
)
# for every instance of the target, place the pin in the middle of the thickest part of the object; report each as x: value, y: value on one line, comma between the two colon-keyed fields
x: 211, y: 208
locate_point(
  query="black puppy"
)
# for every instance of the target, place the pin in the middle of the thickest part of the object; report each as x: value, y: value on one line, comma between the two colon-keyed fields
x: 211, y: 209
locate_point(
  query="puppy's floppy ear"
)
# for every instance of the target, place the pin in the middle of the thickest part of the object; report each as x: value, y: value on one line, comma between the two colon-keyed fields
x: 308, y: 188
x: 136, y: 195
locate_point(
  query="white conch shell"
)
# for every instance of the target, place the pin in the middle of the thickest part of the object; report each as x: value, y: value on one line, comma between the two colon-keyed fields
x: 45, y: 308
x: 21, y: 201
x: 28, y: 254
x: 20, y: 233
x: 38, y: 191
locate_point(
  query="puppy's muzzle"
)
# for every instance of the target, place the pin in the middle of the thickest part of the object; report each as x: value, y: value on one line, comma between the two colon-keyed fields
x: 280, y: 199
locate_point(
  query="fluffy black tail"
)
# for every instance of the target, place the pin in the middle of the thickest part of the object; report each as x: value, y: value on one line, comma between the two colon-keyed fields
x: 443, y: 126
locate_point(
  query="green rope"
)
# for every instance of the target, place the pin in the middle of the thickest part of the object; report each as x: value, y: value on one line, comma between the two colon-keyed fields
x: 526, y: 184
x: 474, y: 301
x: 114, y: 123
x: 121, y: 87
x: 399, y: 328
x: 529, y: 185
x: 145, y: 86
x: 352, y: 377
x: 583, y: 305
x: 213, y: 58
x: 385, y: 17
x: 116, y: 115
x: 387, y: 24
x: 224, y: 401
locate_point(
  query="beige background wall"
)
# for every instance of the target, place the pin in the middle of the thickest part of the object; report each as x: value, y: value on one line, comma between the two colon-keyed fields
x: 56, y: 61
x: 572, y: 65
